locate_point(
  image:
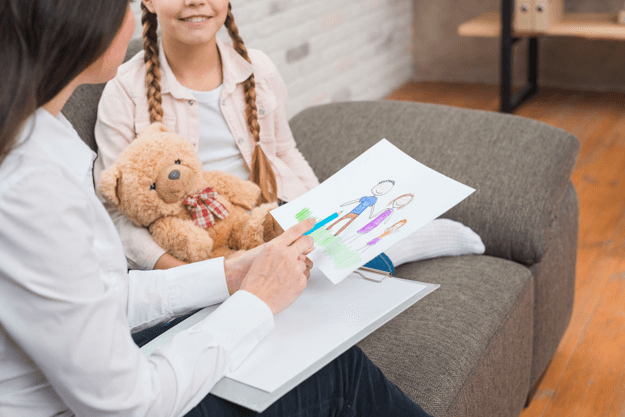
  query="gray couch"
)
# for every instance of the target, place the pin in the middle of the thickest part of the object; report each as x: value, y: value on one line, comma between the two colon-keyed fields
x: 477, y: 345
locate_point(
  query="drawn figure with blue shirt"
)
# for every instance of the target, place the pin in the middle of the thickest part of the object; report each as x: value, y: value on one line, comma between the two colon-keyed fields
x: 364, y: 203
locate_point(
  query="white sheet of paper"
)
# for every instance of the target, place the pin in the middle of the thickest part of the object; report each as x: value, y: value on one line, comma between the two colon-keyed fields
x: 339, y: 252
x: 323, y: 317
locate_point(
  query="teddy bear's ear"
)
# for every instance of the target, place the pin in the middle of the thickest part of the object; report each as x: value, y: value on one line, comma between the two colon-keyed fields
x: 107, y: 186
x: 153, y: 129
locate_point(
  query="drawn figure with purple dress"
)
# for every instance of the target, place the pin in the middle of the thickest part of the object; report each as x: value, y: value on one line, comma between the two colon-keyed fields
x: 384, y: 215
x: 387, y: 232
x: 364, y: 203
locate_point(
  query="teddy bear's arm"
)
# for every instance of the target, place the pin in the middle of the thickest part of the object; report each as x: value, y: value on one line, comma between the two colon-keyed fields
x: 240, y: 192
x: 182, y: 239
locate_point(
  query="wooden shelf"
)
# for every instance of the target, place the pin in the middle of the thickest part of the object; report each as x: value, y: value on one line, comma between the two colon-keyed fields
x: 585, y: 25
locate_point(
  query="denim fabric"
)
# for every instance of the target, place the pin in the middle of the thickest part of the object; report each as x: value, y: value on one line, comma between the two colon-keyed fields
x: 349, y: 386
x: 144, y: 336
x: 381, y: 262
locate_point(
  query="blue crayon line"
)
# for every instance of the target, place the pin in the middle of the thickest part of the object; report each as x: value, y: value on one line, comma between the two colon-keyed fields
x: 323, y: 222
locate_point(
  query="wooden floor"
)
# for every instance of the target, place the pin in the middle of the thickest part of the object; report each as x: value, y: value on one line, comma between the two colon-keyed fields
x: 587, y: 374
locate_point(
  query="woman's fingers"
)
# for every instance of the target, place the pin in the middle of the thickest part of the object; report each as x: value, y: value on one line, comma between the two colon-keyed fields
x: 294, y: 233
x: 307, y: 267
x: 304, y: 245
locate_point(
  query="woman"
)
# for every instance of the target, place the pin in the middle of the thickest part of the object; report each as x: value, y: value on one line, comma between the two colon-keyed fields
x: 68, y: 304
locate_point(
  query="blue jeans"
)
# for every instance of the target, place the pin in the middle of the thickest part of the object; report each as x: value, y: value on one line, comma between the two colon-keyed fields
x: 349, y: 386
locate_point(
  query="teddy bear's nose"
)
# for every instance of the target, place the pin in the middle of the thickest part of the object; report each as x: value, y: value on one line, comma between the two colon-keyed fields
x: 174, y: 175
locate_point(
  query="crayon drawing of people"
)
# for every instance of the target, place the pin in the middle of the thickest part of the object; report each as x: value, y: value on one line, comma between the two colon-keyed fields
x: 365, y: 202
x: 387, y: 232
x: 384, y: 215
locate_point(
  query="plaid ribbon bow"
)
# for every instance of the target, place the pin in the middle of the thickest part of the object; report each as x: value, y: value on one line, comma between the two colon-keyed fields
x: 202, y: 204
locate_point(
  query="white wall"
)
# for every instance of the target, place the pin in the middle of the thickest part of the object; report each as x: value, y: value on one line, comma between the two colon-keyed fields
x: 330, y: 50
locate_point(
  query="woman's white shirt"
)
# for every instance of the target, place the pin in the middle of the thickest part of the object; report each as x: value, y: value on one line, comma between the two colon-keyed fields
x: 68, y: 303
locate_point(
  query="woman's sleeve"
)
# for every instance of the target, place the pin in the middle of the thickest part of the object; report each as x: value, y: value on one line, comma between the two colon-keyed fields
x: 286, y: 148
x: 66, y: 308
x: 114, y: 131
x: 161, y: 295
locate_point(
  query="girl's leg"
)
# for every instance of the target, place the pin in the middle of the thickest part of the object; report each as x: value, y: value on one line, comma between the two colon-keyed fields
x: 349, y: 386
x: 440, y: 237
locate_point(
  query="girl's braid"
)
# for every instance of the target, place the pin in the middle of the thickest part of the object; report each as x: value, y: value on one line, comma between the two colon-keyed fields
x: 262, y: 172
x: 152, y: 64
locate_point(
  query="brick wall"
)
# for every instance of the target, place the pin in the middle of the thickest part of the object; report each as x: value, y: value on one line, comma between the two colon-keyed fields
x: 330, y: 50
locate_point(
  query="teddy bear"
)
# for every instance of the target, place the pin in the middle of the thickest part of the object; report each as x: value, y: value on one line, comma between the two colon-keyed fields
x: 158, y: 183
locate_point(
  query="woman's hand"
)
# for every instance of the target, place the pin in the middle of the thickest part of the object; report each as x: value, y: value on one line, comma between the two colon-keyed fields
x: 280, y: 270
x: 237, y: 268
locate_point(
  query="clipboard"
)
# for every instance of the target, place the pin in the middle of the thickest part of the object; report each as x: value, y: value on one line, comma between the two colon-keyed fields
x: 373, y: 304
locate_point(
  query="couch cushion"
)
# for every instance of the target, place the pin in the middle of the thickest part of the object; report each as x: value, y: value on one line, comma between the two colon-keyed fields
x: 437, y: 347
x: 519, y: 167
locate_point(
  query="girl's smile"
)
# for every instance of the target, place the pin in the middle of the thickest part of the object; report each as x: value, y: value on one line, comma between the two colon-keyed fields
x: 195, y: 19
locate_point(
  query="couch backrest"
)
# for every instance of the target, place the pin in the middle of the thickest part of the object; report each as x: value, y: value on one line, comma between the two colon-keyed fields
x: 521, y: 168
x: 82, y: 107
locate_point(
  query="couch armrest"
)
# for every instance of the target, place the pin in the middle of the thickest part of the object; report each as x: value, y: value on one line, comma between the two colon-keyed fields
x: 521, y: 168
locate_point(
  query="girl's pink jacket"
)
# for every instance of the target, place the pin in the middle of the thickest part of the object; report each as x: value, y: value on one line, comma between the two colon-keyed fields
x: 123, y: 112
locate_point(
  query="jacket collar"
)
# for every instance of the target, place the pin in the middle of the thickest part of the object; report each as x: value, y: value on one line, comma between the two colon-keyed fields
x: 235, y: 70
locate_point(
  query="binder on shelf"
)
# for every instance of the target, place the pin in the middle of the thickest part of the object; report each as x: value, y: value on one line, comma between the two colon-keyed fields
x: 548, y: 13
x: 620, y: 18
x: 524, y: 16
x: 537, y: 15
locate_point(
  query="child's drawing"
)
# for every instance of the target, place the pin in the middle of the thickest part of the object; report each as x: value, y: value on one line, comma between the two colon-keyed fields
x: 365, y: 202
x: 386, y: 180
x: 388, y: 231
x: 383, y: 215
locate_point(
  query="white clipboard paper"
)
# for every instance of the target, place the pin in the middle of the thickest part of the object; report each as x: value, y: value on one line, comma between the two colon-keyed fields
x: 325, y: 321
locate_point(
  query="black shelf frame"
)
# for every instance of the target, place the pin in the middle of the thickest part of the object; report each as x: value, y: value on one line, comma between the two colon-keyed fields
x: 509, y: 100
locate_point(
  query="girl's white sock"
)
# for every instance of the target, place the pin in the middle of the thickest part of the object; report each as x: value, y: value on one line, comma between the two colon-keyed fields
x: 440, y: 237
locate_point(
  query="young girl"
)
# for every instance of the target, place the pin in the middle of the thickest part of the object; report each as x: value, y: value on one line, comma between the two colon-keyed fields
x: 68, y: 300
x: 230, y: 104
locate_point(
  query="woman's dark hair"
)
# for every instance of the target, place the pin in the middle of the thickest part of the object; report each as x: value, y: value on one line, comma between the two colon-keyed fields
x: 44, y: 45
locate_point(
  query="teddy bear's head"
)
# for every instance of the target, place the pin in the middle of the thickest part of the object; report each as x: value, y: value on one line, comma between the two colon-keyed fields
x: 153, y: 176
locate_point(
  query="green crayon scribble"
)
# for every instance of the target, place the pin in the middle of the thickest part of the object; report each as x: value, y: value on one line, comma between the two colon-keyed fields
x: 342, y: 255
x: 303, y: 214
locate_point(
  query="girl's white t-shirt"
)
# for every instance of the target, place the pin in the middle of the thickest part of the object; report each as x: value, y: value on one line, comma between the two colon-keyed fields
x: 217, y: 149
